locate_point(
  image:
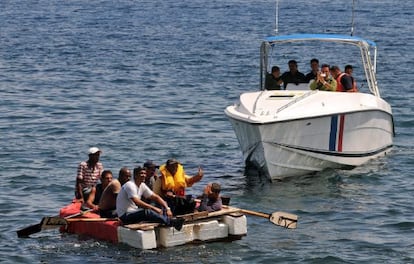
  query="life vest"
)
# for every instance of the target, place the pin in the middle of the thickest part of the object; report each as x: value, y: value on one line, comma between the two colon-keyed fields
x: 340, y: 87
x: 176, y: 182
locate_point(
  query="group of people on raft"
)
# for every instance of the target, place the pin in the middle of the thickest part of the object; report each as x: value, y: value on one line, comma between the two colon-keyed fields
x: 147, y: 196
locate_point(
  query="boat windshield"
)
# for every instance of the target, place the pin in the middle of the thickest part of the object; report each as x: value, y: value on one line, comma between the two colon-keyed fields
x: 338, y: 50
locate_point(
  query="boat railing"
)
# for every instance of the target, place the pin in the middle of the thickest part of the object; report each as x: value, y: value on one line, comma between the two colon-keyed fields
x: 370, y: 70
x: 257, y: 99
x: 295, y: 100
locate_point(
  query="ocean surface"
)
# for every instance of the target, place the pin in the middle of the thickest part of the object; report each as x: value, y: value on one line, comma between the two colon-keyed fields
x: 150, y: 80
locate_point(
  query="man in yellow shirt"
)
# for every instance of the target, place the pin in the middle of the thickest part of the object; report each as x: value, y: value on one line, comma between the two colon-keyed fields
x: 172, y: 183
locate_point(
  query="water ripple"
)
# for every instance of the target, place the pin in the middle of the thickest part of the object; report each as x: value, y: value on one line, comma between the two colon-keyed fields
x: 151, y: 80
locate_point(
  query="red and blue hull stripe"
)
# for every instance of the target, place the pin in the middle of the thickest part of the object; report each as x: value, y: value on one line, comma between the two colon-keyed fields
x: 337, y: 133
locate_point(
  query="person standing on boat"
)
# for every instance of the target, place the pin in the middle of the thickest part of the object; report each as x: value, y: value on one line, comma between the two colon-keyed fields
x: 273, y: 80
x: 211, y: 200
x: 131, y: 208
x: 350, y: 70
x: 88, y: 174
x: 172, y: 183
x: 293, y: 75
x: 151, y: 169
x: 96, y: 192
x: 314, y: 64
x: 107, y: 203
x: 324, y: 81
x: 344, y: 82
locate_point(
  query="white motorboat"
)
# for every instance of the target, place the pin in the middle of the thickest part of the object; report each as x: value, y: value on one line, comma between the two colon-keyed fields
x: 298, y: 131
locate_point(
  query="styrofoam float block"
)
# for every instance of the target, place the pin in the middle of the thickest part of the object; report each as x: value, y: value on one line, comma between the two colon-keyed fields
x: 137, y: 238
x: 169, y: 236
x: 237, y: 224
x: 210, y: 230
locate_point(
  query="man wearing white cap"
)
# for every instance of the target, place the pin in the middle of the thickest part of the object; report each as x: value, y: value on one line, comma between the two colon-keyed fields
x: 89, y: 172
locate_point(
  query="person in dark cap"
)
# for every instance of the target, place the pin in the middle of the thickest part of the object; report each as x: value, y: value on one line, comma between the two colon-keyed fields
x: 151, y: 169
x: 211, y: 200
x: 88, y: 174
x: 172, y: 183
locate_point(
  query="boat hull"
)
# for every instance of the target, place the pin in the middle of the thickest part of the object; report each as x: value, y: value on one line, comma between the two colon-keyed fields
x: 286, y: 147
x: 304, y: 128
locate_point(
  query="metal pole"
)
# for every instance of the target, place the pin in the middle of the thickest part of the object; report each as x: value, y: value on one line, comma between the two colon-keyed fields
x: 353, y: 15
x: 277, y: 17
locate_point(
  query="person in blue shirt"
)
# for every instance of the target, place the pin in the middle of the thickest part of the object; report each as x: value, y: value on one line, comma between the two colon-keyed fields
x: 211, y: 200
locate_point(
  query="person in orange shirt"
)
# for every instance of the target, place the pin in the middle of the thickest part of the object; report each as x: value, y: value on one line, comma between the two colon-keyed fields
x: 344, y: 82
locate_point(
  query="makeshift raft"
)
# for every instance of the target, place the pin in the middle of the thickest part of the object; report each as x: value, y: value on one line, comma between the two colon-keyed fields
x: 226, y: 224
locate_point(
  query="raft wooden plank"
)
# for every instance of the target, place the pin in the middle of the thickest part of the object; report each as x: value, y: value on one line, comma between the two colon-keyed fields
x: 193, y: 216
x: 188, y: 218
x: 225, y: 210
x: 203, y: 215
x: 142, y: 226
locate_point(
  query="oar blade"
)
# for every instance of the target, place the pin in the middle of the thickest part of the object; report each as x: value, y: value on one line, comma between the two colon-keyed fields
x: 283, y: 219
x: 53, y: 222
x: 27, y: 231
x: 46, y: 223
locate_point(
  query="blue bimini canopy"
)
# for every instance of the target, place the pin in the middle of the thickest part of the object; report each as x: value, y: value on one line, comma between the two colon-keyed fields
x: 321, y: 37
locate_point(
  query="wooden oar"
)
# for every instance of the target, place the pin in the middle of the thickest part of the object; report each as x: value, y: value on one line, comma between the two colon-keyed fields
x: 27, y: 231
x: 282, y: 219
x: 59, y: 221
x: 286, y: 220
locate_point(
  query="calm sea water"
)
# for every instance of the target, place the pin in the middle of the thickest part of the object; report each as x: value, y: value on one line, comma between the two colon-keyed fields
x: 150, y: 79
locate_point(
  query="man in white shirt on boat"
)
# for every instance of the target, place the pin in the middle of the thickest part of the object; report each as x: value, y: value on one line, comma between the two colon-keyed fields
x: 132, y: 209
